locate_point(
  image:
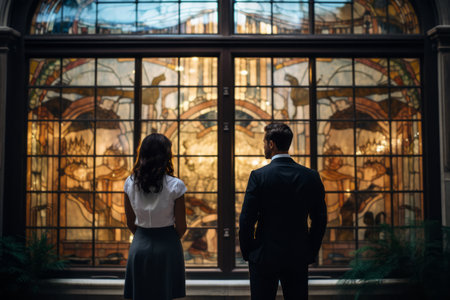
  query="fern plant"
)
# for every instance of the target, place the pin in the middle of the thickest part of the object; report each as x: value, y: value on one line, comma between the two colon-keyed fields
x: 415, y: 254
x: 24, y: 265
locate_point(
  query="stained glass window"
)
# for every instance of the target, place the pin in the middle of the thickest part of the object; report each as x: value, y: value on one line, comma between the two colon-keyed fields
x: 325, y: 17
x: 80, y: 17
x: 81, y: 139
x: 368, y: 127
x: 125, y: 17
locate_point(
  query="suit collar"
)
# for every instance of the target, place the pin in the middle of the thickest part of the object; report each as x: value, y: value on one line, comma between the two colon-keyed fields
x: 282, y: 160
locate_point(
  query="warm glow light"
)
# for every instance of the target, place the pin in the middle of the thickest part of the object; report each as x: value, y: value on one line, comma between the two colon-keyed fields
x: 192, y: 71
x: 195, y: 58
x: 179, y: 68
x: 244, y: 72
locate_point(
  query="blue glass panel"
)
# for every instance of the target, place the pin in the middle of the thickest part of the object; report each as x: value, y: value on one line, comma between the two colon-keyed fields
x: 252, y: 18
x: 290, y: 18
x: 198, y: 18
x: 79, y: 17
x: 116, y: 18
x: 47, y: 19
x: 158, y: 18
x: 333, y: 18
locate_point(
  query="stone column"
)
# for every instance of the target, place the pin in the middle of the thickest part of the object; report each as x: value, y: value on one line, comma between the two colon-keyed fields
x: 8, y: 37
x: 441, y: 36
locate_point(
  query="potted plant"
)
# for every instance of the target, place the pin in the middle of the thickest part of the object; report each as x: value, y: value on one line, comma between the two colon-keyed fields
x: 23, y: 265
x: 418, y: 256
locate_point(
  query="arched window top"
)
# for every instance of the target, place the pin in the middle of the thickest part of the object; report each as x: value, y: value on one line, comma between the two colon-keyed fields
x: 275, y: 17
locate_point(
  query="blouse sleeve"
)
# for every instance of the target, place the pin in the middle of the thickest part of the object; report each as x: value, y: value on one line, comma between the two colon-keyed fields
x: 180, y: 189
x: 126, y: 185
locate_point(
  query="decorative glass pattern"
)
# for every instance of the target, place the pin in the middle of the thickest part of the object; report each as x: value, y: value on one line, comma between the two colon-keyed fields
x: 325, y: 17
x: 364, y: 154
x: 79, y: 17
x: 368, y: 137
x: 82, y: 125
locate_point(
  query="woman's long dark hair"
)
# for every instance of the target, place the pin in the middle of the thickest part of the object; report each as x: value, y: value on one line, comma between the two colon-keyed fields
x: 154, y: 160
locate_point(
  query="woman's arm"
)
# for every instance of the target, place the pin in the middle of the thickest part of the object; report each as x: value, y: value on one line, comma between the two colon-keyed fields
x: 180, y: 216
x: 131, y: 217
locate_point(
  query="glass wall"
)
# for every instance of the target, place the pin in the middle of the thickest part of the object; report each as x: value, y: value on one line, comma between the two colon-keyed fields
x: 82, y: 126
x: 367, y: 123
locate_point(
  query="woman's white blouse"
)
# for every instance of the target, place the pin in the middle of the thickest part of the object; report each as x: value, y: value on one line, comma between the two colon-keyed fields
x: 155, y: 209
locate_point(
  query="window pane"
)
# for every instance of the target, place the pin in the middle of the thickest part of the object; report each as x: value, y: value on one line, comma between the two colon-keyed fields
x: 111, y: 247
x: 198, y: 71
x: 372, y: 103
x: 406, y: 138
x: 115, y: 71
x: 201, y: 209
x: 47, y: 18
x: 290, y: 18
x: 372, y: 138
x: 77, y: 138
x: 408, y: 208
x: 249, y: 137
x: 333, y: 18
x: 116, y: 18
x: 42, y: 209
x: 243, y: 166
x: 200, y: 247
x: 290, y: 71
x: 251, y: 71
x: 79, y: 17
x: 76, y: 209
x: 76, y: 246
x: 373, y: 173
x: 371, y: 71
x: 114, y: 138
x: 405, y: 71
x: 406, y: 103
x: 291, y: 103
x: 334, y: 71
x: 44, y: 104
x: 158, y: 18
x: 110, y: 212
x: 338, y: 247
x: 198, y: 103
x: 111, y: 173
x: 407, y: 173
x: 78, y: 104
x: 301, y: 141
x: 335, y: 138
x: 254, y: 101
x: 252, y: 18
x: 77, y: 174
x: 199, y: 173
x: 370, y: 17
x: 198, y: 18
x: 373, y: 209
x: 44, y: 71
x: 198, y: 138
x: 160, y: 71
x: 337, y: 173
x: 42, y: 174
x: 43, y: 138
x: 78, y: 71
x: 335, y: 103
x: 402, y: 18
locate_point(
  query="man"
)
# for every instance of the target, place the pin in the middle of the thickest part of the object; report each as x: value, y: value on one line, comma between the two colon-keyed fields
x: 278, y: 201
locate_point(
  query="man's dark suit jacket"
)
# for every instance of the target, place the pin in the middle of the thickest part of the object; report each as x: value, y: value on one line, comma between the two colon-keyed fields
x: 278, y: 201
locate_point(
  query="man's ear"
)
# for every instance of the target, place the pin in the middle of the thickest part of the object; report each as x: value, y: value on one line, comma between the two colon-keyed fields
x: 271, y: 145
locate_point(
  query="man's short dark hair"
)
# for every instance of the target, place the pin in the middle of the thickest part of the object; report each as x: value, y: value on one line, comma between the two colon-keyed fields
x: 280, y: 134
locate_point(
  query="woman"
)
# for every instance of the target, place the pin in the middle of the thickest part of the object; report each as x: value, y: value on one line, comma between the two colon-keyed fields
x: 155, y: 210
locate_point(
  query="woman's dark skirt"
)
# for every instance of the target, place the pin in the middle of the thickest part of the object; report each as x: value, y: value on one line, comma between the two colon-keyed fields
x: 155, y: 267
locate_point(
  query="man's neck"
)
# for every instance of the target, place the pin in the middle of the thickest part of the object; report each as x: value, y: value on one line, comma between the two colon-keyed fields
x: 284, y: 153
